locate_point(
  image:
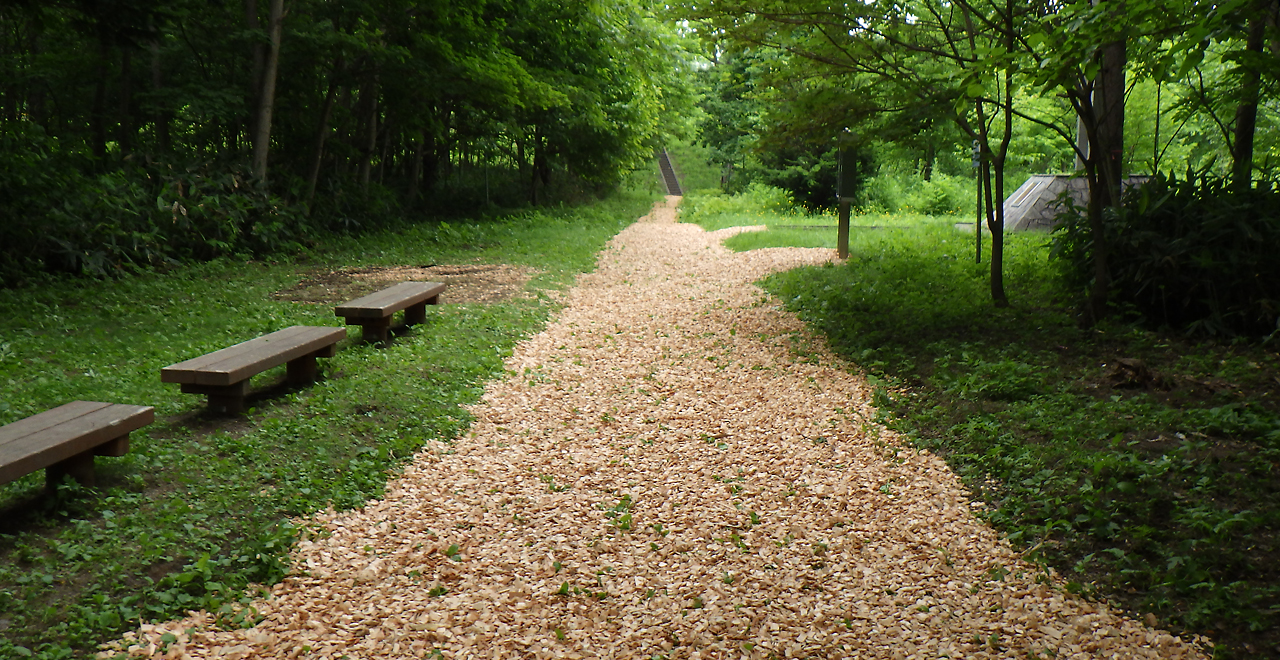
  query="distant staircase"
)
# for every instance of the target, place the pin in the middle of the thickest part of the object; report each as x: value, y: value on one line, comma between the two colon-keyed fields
x: 669, y: 173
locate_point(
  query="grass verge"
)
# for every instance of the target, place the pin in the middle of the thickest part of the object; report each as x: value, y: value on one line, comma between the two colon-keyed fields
x: 203, y: 507
x: 1144, y: 467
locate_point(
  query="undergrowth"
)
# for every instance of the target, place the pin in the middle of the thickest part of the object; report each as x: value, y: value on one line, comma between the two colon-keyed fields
x: 202, y: 506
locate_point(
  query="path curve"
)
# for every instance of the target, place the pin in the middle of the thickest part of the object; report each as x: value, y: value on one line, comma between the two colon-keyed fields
x: 672, y: 469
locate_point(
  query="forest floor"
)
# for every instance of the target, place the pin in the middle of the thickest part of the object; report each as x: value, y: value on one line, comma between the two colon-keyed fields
x: 673, y: 468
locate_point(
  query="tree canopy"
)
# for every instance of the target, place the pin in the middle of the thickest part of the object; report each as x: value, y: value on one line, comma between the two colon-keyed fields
x: 332, y: 114
x: 1009, y: 74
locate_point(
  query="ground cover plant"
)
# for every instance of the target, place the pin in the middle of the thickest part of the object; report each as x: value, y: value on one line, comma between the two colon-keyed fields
x: 205, y: 506
x: 1143, y: 467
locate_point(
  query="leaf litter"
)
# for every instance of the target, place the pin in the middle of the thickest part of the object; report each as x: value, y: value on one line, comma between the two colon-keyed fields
x: 674, y: 468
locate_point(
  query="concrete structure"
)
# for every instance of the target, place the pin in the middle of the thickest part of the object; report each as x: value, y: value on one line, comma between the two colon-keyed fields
x: 1034, y: 204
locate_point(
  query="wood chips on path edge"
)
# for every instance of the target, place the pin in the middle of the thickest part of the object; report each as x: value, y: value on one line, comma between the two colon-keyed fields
x: 673, y: 469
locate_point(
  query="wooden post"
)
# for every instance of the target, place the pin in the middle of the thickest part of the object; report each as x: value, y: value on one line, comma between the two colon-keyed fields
x: 842, y: 230
x: 300, y: 371
x: 846, y: 188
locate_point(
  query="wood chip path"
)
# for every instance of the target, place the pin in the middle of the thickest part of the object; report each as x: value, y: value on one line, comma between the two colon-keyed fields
x: 672, y: 469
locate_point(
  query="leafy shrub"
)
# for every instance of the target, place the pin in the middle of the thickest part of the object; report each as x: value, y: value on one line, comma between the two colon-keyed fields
x: 756, y: 200
x: 890, y: 192
x: 1187, y: 253
x: 61, y: 219
x: 34, y: 174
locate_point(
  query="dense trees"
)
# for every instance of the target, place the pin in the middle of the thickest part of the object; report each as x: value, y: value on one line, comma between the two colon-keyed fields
x: 350, y: 109
x: 999, y: 71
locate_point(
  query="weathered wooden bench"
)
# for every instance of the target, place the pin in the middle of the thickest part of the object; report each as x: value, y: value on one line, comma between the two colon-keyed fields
x: 64, y: 440
x: 374, y: 311
x: 224, y: 375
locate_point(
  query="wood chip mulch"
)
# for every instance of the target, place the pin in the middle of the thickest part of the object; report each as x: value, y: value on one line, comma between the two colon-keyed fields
x: 674, y: 468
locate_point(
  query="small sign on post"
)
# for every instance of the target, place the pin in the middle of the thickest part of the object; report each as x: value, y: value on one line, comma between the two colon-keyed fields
x: 846, y: 184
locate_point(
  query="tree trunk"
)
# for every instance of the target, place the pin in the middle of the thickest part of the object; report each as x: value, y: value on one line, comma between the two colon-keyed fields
x: 415, y: 169
x: 322, y: 135
x: 262, y: 123
x: 1110, y: 93
x: 384, y: 135
x: 1247, y: 112
x: 430, y: 161
x: 541, y: 168
x: 367, y: 140
x: 36, y: 92
x: 257, y: 58
x: 126, y: 101
x: 161, y: 118
x: 98, y: 119
x: 995, y: 220
x: 1102, y: 114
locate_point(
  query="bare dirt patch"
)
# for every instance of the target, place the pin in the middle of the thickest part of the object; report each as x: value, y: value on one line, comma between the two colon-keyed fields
x: 468, y: 283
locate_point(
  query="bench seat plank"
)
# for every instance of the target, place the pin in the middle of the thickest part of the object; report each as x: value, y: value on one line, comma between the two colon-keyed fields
x: 79, y: 428
x: 233, y: 364
x: 390, y: 300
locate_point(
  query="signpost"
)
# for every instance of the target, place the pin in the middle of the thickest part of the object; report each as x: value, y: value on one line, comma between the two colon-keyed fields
x: 846, y: 181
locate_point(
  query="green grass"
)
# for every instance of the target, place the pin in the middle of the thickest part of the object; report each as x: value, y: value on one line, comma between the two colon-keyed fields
x: 1156, y: 488
x: 199, y: 508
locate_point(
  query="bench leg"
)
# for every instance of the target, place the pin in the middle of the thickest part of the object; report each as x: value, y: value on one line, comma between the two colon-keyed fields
x: 78, y: 467
x: 223, y: 398
x: 117, y: 447
x: 232, y: 404
x: 375, y: 330
x: 415, y: 314
x: 302, y: 370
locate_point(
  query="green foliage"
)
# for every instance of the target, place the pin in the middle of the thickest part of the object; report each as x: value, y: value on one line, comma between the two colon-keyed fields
x: 127, y: 128
x: 1191, y: 253
x: 200, y: 507
x: 891, y: 191
x: 695, y: 167
x: 131, y: 218
x: 712, y: 209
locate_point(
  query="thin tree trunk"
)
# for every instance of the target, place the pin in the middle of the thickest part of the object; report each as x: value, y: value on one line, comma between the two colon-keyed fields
x: 996, y: 220
x: 369, y: 123
x: 98, y: 119
x: 262, y: 125
x: 257, y: 57
x: 322, y: 135
x: 384, y: 131
x: 1247, y: 112
x: 415, y: 169
x: 36, y: 92
x: 161, y: 118
x: 126, y: 101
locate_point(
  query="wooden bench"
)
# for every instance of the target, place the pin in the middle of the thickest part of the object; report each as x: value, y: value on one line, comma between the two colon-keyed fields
x: 64, y: 440
x: 374, y: 311
x: 224, y: 375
